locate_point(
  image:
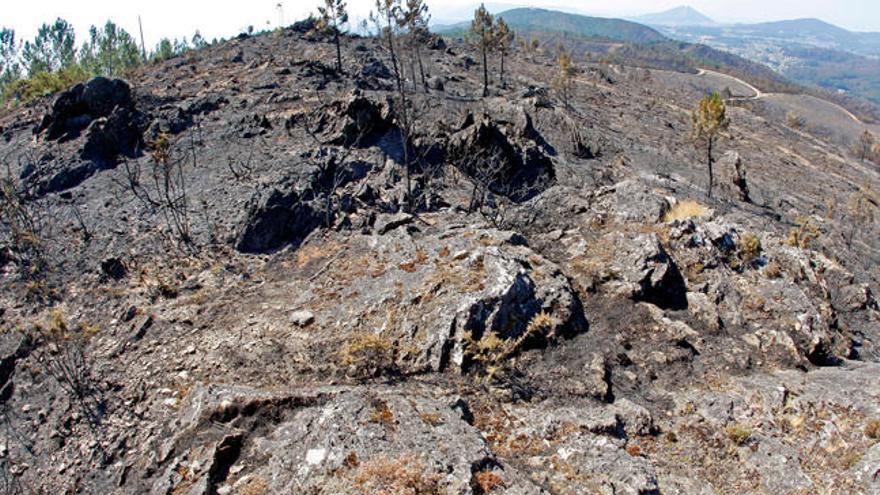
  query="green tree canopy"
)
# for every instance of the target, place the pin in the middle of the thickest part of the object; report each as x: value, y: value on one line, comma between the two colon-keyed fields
x: 484, y: 37
x: 709, y: 119
x: 53, y: 49
x: 10, y: 69
x: 110, y: 51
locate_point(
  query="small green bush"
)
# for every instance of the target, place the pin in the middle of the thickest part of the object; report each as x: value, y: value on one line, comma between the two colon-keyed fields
x: 43, y: 84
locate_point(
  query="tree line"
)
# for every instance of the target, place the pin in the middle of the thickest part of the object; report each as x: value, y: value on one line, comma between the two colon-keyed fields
x: 52, y: 61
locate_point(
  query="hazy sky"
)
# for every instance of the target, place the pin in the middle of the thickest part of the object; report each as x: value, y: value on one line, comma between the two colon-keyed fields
x: 175, y: 18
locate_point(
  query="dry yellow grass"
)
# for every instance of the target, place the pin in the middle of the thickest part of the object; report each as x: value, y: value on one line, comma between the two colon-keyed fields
x: 540, y: 323
x: 685, y: 209
x: 872, y: 429
x: 253, y: 486
x: 367, y: 351
x: 403, y: 475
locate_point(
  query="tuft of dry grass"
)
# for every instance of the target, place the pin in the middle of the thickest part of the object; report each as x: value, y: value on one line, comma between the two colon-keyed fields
x: 738, y: 433
x: 381, y: 413
x: 872, y: 429
x: 488, y: 481
x: 431, y: 419
x: 685, y: 209
x: 253, y: 486
x: 541, y: 323
x: 402, y: 475
x: 804, y: 234
x: 748, y: 248
x: 490, y: 349
x: 367, y: 353
x: 772, y: 270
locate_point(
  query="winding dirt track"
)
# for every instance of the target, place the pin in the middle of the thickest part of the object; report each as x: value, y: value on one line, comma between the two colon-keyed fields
x: 758, y: 94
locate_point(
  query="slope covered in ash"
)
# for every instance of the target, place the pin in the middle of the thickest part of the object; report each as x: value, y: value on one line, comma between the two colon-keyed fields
x: 229, y: 281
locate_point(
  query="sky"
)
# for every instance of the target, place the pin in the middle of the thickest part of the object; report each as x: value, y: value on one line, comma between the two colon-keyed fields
x: 176, y: 18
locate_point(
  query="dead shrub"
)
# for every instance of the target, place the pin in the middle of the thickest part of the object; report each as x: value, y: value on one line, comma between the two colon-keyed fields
x: 804, y: 234
x: 64, y: 358
x: 772, y: 270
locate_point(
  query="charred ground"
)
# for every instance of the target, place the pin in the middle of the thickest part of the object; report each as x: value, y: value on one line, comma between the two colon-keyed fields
x: 226, y: 281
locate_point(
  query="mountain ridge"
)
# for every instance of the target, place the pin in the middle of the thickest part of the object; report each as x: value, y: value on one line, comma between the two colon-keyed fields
x: 528, y: 18
x: 684, y: 15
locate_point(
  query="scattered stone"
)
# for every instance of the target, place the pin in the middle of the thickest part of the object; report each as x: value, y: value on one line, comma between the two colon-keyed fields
x: 387, y: 223
x: 302, y: 318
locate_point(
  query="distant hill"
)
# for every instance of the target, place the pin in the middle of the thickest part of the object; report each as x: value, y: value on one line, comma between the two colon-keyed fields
x: 798, y: 29
x: 679, y: 16
x: 529, y: 19
x: 808, y: 32
x: 628, y: 43
x: 738, y: 50
x: 809, y: 51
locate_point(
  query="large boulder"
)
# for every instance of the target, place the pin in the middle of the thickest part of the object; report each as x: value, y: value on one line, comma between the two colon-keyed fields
x: 732, y: 177
x: 632, y: 265
x: 117, y: 134
x: 353, y: 121
x: 472, y: 298
x: 632, y: 200
x: 75, y: 109
x: 104, y: 110
x: 503, y: 151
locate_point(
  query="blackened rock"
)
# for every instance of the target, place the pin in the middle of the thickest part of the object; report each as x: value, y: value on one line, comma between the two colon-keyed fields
x: 170, y: 120
x: 506, y: 152
x: 436, y: 42
x: 117, y: 134
x: 76, y: 108
x: 733, y: 178
x: 304, y: 26
x: 204, y: 105
x: 436, y: 83
x: 114, y: 268
x: 642, y: 270
x: 387, y: 223
x: 275, y: 219
x: 354, y: 121
x: 375, y: 68
x: 69, y: 175
x: 102, y: 95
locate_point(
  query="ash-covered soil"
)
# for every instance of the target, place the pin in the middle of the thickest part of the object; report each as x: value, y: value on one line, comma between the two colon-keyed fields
x: 219, y: 277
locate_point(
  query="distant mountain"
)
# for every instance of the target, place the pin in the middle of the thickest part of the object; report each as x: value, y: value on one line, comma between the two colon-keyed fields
x: 679, y: 16
x: 529, y: 19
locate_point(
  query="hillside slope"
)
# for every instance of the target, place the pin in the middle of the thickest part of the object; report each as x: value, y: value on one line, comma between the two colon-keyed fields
x: 231, y: 274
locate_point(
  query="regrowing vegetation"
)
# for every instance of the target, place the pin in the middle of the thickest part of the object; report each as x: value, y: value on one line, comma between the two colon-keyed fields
x: 53, y: 61
x: 709, y: 120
